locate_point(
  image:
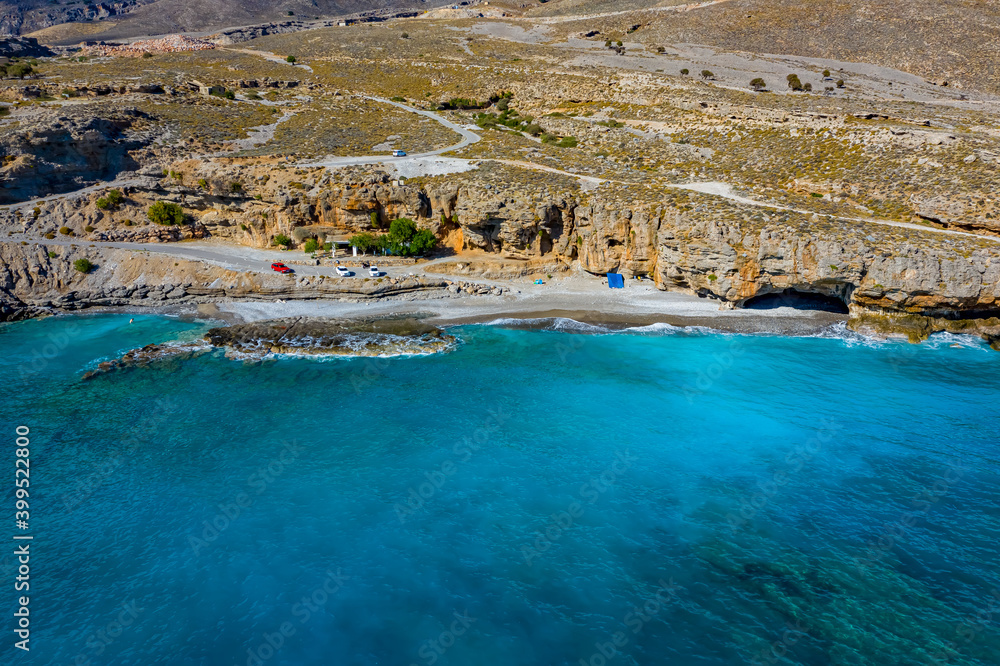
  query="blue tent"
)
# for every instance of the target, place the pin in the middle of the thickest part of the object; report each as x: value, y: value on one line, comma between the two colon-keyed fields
x: 616, y: 281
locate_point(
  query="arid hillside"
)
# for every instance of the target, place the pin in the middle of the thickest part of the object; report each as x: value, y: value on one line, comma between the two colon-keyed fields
x: 119, y: 19
x: 957, y: 41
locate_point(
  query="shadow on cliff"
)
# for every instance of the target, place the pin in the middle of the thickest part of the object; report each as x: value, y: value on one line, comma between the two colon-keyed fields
x: 798, y: 300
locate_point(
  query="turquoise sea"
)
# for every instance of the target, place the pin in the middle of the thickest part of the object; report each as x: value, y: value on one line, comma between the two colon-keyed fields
x: 562, y: 496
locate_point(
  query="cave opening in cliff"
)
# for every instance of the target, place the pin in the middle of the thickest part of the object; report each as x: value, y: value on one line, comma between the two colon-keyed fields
x: 799, y: 300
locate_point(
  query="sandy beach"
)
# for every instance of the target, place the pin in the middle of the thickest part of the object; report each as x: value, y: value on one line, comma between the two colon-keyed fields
x: 581, y: 299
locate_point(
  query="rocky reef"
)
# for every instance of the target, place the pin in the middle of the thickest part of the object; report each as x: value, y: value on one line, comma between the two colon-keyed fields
x: 293, y: 337
x: 304, y: 336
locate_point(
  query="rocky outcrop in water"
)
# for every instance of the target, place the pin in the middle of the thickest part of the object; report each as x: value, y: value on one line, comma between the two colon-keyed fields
x: 304, y: 336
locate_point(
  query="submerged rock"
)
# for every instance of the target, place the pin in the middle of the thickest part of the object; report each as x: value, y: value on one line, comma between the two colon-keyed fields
x: 150, y: 354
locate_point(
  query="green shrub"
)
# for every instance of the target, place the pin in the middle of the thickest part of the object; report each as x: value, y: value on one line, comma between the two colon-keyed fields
x: 88, y: 228
x: 685, y: 72
x: 52, y: 255
x: 165, y: 213
x: 365, y: 242
x: 283, y: 240
x: 291, y: 59
x: 83, y: 265
x: 127, y: 223
x: 758, y: 84
x: 50, y: 235
x: 147, y: 54
x: 311, y: 246
x: 327, y: 246
x: 203, y: 184
x: 422, y: 242
x: 235, y: 186
x: 568, y: 142
x: 36, y: 211
x: 65, y: 231
x: 707, y: 74
x: 103, y: 203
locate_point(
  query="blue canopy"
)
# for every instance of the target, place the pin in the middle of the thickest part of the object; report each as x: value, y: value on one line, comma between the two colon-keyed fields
x: 616, y: 281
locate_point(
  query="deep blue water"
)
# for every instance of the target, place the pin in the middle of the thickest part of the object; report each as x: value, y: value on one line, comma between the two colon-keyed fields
x: 533, y: 497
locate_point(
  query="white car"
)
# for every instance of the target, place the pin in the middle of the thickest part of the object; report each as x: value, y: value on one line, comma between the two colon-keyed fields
x: 342, y: 271
x: 374, y: 271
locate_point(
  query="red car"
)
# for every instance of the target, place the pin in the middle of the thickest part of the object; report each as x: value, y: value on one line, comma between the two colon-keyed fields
x: 281, y: 268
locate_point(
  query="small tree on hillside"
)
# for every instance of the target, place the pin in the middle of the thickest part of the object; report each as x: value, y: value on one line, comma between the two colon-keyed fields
x: 793, y: 82
x: 758, y: 84
x: 706, y: 74
x: 291, y: 59
x: 685, y: 72
x: 165, y: 213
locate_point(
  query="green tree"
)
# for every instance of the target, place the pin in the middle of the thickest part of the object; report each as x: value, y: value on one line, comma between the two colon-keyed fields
x: 758, y: 84
x: 165, y: 213
x: 282, y: 239
x: 706, y: 74
x: 401, y: 232
x: 365, y: 242
x: 311, y: 246
x: 826, y: 73
x: 422, y: 242
x: 685, y: 72
x: 116, y: 197
x: 83, y: 265
x: 20, y: 70
x: 840, y: 83
x: 291, y: 59
x: 794, y: 83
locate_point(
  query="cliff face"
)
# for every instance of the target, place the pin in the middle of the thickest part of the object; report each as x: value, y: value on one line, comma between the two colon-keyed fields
x: 685, y: 241
x: 64, y: 153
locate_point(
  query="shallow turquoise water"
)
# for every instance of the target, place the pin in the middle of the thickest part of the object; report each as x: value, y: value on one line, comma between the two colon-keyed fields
x: 530, y: 498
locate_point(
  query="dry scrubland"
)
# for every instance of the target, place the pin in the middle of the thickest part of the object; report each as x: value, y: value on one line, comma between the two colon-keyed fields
x: 571, y: 130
